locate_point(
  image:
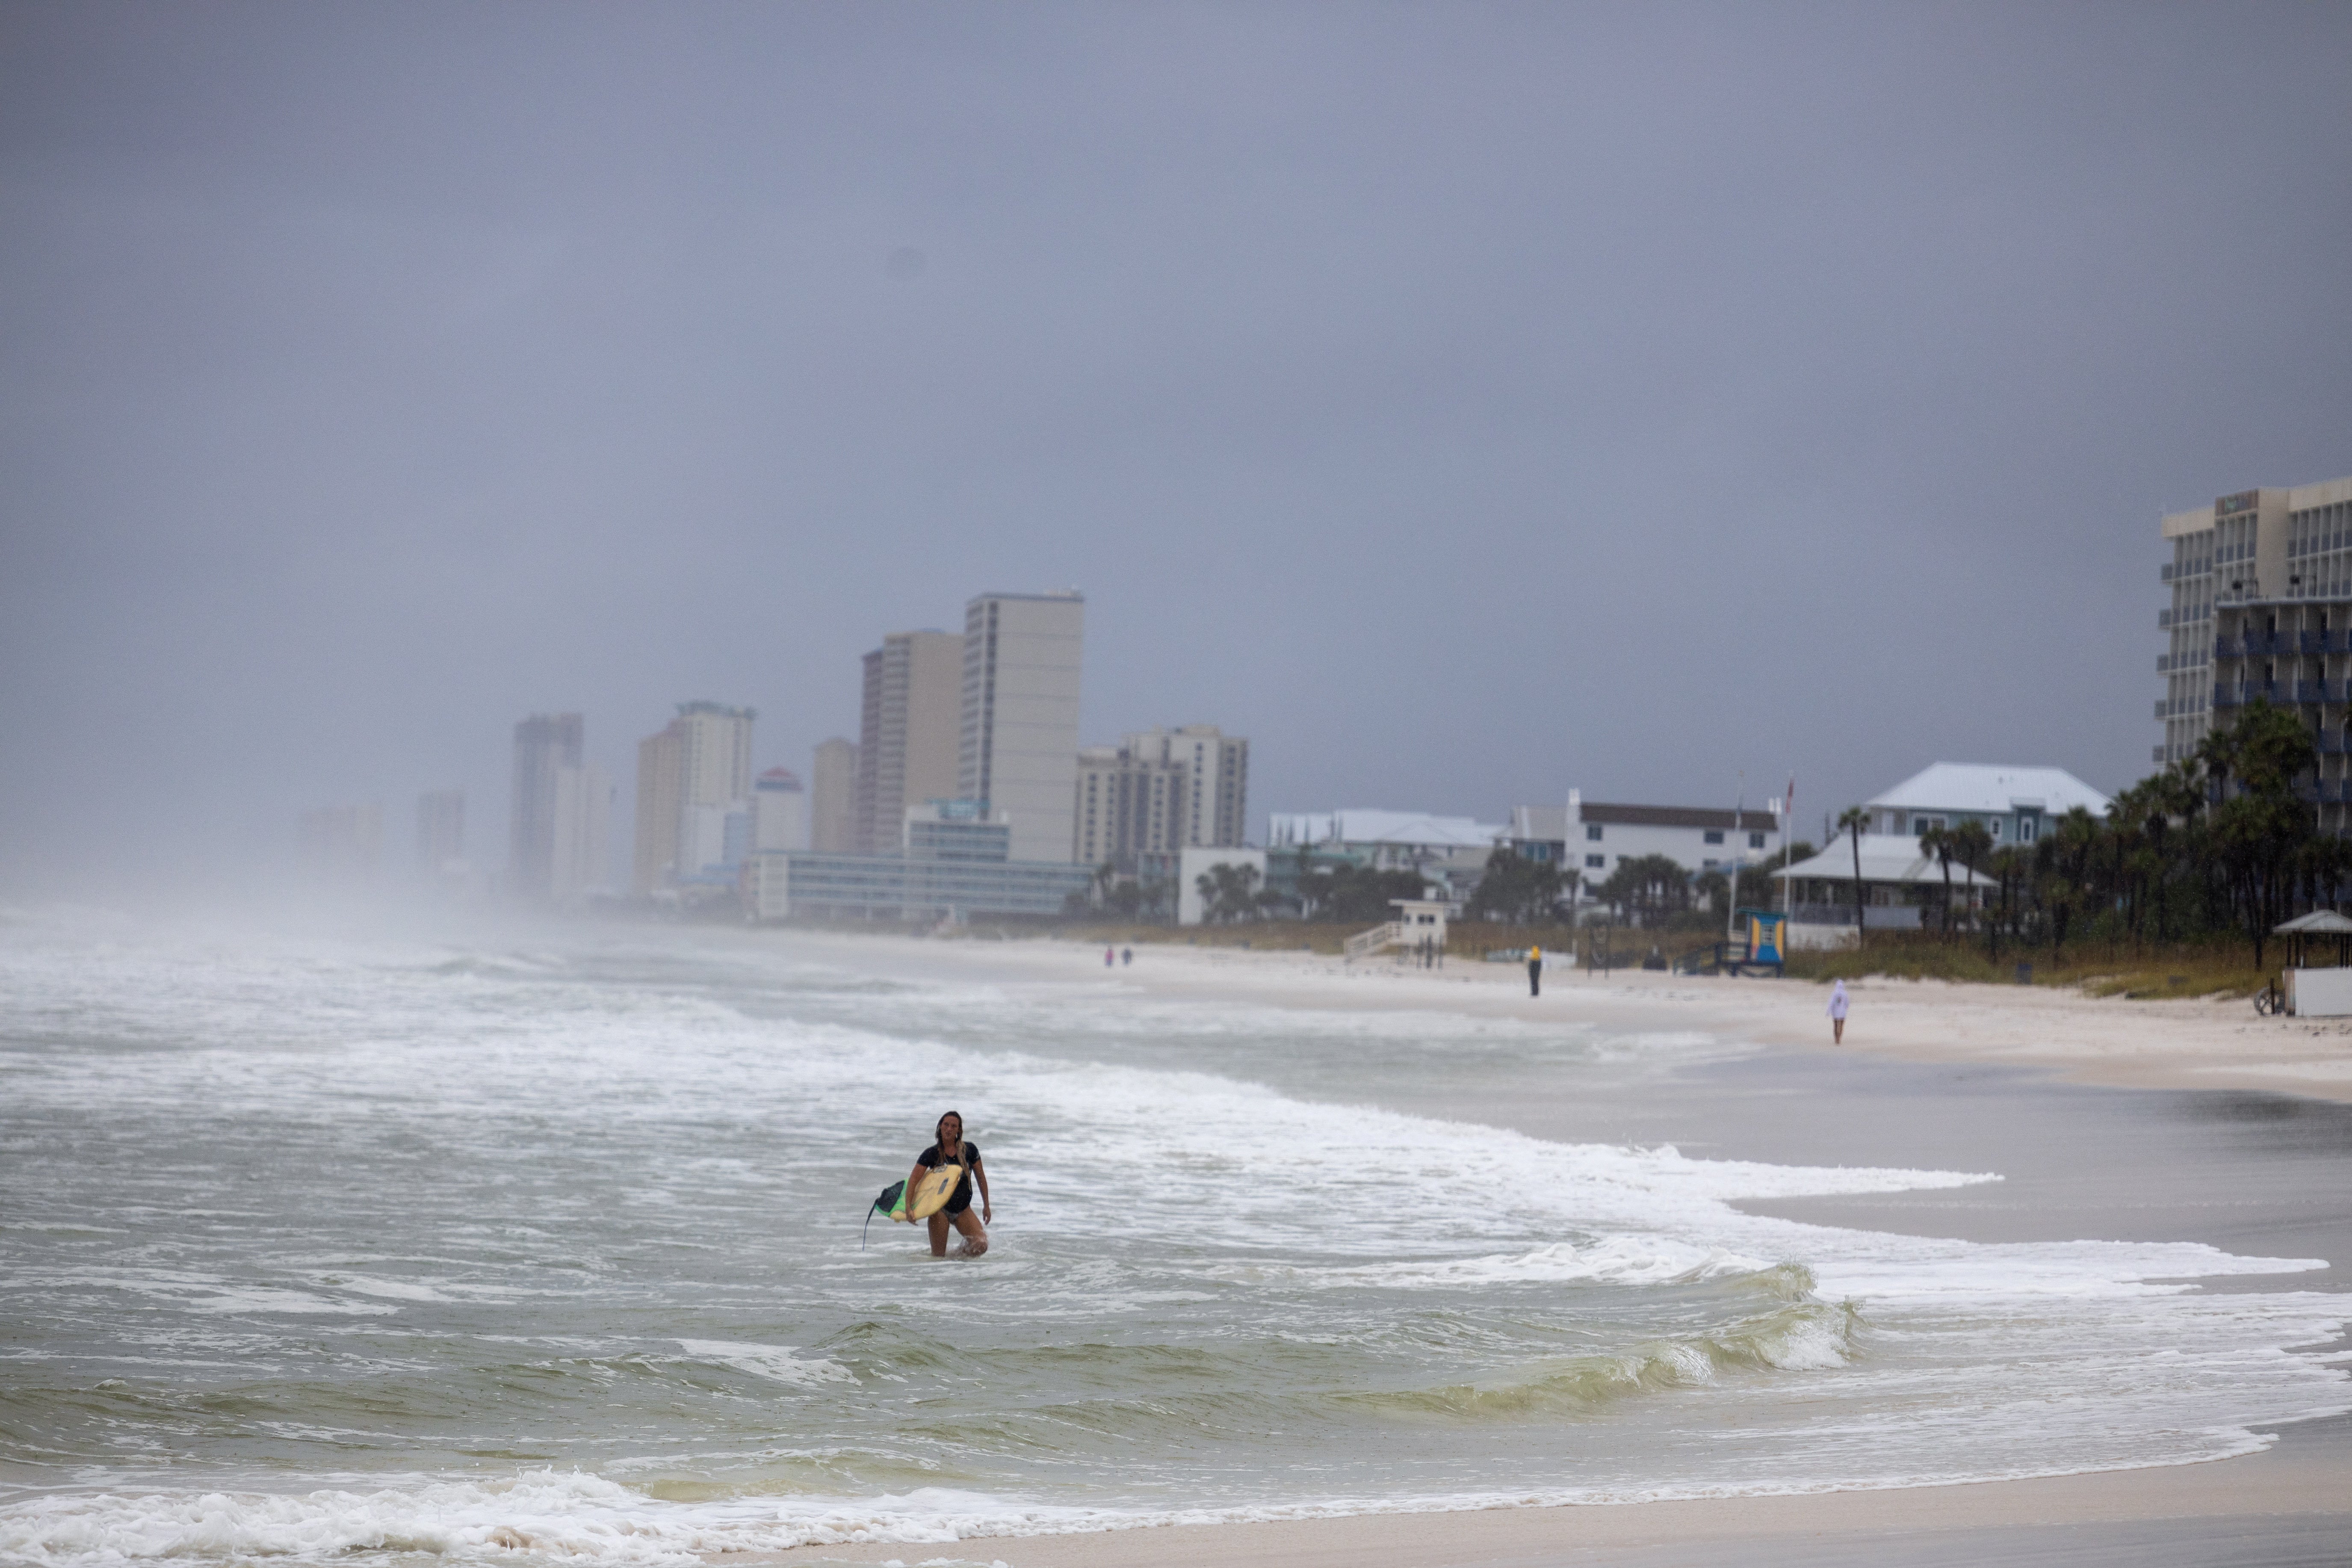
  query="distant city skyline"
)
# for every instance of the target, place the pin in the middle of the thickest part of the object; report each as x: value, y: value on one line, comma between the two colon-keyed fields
x: 1456, y: 403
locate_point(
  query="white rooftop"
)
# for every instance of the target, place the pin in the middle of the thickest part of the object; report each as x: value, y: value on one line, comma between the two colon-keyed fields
x: 1992, y: 788
x: 1885, y: 858
x: 1366, y: 824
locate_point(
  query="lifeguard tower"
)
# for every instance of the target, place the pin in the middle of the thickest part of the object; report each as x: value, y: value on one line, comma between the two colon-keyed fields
x: 1419, y: 927
x: 1755, y: 950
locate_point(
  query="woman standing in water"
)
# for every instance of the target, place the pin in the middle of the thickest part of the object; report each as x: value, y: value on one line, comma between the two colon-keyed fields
x: 947, y: 1148
x: 1837, y: 1016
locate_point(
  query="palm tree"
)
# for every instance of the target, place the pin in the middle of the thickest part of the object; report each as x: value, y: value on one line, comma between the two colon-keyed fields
x: 1937, y: 842
x: 1972, y: 845
x: 1851, y: 821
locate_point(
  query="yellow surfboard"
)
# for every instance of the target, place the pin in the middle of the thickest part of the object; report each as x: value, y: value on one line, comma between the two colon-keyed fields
x: 931, y: 1194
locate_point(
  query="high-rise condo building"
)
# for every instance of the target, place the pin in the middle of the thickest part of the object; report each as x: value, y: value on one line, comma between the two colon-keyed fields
x: 1129, y: 805
x: 2261, y: 565
x: 542, y: 744
x: 583, y: 834
x: 661, y: 773
x: 908, y: 747
x: 440, y: 829
x: 1216, y: 774
x: 777, y: 800
x: 1018, y: 754
x: 833, y: 798
x: 1157, y: 793
x: 691, y: 778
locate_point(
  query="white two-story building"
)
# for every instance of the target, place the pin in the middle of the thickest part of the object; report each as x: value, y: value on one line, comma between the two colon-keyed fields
x: 1590, y: 839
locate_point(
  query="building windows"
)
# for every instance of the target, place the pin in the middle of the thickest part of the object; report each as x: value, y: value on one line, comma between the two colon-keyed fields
x: 1713, y: 835
x: 1592, y: 832
x: 1756, y: 841
x: 1710, y: 864
x: 2026, y: 828
x: 1595, y: 862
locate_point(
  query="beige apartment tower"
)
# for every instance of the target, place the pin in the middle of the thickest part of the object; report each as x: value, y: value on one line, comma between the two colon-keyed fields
x: 690, y: 775
x: 833, y: 798
x: 912, y: 735
x: 1160, y: 792
x: 2290, y: 549
x: 661, y: 775
x: 1019, y: 748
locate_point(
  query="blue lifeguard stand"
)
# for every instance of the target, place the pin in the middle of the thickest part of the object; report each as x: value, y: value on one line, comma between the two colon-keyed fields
x: 1768, y: 932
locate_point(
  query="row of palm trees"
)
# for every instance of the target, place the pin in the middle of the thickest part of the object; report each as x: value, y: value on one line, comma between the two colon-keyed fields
x: 2226, y: 841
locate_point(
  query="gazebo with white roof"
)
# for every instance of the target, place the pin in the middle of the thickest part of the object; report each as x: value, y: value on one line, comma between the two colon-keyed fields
x: 1897, y: 881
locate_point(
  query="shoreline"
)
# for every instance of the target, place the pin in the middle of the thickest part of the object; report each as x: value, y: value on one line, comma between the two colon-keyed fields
x: 2290, y: 1484
x: 2292, y: 1489
x: 2110, y: 1042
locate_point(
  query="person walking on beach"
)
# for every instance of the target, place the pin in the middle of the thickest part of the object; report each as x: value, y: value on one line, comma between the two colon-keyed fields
x: 1535, y: 972
x: 1126, y: 955
x: 948, y: 1148
x: 1111, y: 957
x: 1837, y: 1013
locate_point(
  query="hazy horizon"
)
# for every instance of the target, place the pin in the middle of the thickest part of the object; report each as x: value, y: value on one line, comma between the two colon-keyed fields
x: 1465, y: 404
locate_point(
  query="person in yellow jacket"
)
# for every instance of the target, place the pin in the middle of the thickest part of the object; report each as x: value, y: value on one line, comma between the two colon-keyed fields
x: 1535, y: 972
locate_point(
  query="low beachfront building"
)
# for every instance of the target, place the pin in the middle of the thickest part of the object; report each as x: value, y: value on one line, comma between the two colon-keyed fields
x: 953, y: 861
x: 1590, y: 839
x: 1450, y: 852
x: 1898, y: 884
x: 2014, y: 805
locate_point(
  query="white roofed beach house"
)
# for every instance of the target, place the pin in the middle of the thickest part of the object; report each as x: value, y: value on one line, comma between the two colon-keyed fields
x: 2014, y: 805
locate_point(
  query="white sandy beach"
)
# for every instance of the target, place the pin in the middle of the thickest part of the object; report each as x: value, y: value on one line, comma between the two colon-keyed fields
x: 2192, y: 1044
x: 2292, y: 1493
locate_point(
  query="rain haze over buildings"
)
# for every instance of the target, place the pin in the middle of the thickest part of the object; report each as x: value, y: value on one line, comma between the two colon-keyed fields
x: 1460, y: 403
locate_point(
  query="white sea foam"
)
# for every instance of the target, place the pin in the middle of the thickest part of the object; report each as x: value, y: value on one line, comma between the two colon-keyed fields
x: 779, y: 1362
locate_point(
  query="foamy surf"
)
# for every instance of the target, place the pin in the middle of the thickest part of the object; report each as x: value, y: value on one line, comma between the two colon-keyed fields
x: 332, y: 1250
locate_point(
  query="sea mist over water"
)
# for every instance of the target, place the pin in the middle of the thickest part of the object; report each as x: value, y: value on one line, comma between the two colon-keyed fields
x: 333, y: 1244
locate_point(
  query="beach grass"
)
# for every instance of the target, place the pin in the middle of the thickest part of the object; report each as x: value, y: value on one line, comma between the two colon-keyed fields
x: 2100, y: 968
x: 2214, y: 967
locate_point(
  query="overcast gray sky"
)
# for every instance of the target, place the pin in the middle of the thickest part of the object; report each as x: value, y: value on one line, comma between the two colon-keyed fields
x: 1464, y: 402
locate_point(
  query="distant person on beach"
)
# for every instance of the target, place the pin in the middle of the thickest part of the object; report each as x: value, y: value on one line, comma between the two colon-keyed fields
x: 1111, y: 957
x: 1837, y: 1013
x: 947, y: 1148
x: 1535, y: 972
x: 1127, y: 955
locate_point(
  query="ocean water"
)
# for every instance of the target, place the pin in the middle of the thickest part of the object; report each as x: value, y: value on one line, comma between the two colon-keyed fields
x: 325, y: 1248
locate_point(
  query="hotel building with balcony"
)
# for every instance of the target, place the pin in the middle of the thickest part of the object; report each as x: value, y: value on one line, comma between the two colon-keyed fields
x: 2262, y: 602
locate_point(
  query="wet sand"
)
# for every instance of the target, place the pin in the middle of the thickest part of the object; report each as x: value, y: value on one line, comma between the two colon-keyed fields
x: 2138, y: 1120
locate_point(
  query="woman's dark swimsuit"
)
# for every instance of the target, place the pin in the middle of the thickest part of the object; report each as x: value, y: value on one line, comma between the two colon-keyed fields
x: 968, y: 1156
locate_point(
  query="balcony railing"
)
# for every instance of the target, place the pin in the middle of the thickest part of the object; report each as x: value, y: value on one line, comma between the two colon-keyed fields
x: 1877, y: 916
x: 2237, y: 694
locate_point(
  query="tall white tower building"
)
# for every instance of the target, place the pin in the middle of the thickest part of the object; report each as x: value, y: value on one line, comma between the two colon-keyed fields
x: 581, y: 863
x: 2277, y: 547
x: 1019, y: 750
x: 692, y: 776
x: 777, y: 819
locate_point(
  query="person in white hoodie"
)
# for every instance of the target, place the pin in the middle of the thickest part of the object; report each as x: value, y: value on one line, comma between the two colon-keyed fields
x: 1837, y: 1013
